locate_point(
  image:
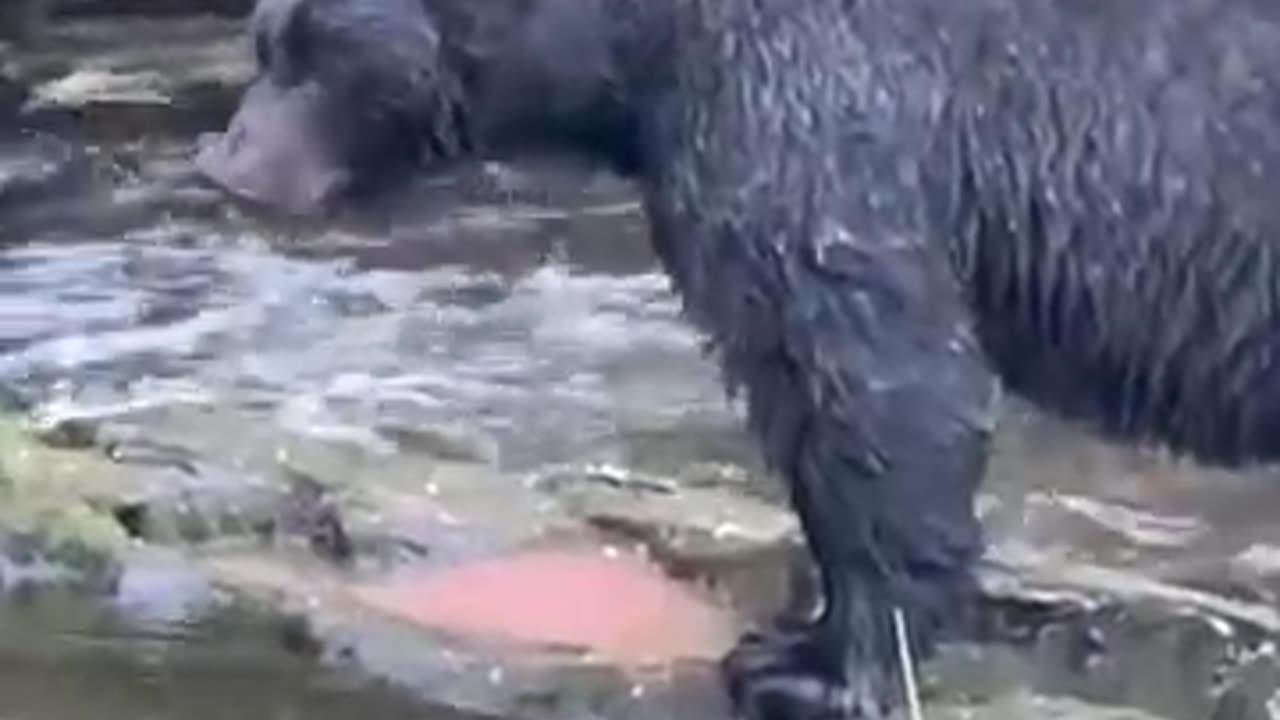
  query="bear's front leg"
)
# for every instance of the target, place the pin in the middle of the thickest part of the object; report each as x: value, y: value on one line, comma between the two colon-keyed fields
x: 873, y: 399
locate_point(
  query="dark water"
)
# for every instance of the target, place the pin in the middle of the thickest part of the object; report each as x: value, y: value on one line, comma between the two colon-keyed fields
x: 62, y: 656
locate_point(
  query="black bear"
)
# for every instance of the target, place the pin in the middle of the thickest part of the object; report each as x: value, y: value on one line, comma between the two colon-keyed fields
x: 880, y: 212
x: 20, y: 20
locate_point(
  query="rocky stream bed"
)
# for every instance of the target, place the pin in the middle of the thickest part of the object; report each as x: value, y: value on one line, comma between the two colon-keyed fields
x: 258, y: 471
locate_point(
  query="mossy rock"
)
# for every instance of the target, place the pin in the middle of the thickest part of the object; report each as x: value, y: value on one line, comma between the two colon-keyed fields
x: 55, y: 504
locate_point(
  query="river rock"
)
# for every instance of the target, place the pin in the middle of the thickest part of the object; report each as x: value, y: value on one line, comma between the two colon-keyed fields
x: 691, y: 525
x: 55, y: 520
x: 180, y: 75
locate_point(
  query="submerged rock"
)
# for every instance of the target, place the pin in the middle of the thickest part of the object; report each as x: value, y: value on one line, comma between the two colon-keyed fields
x: 691, y: 526
x: 54, y: 527
x: 38, y: 167
x: 705, y: 529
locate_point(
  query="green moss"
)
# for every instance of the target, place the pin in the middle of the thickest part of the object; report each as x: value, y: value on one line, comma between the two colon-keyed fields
x: 56, y: 499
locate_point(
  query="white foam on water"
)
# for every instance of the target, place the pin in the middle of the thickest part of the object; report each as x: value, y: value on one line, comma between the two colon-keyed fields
x: 554, y: 352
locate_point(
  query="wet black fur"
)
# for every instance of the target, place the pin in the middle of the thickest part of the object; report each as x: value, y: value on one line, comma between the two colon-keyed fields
x: 878, y: 211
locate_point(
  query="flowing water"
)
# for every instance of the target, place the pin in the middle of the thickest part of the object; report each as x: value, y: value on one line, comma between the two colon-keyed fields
x: 544, y: 364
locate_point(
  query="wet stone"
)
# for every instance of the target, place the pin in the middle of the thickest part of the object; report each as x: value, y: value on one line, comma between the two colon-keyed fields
x: 692, y: 525
x: 1257, y: 566
x: 174, y: 75
x: 59, y: 496
x: 710, y: 532
x: 1023, y: 706
x: 453, y: 444
x: 68, y: 433
x: 38, y: 167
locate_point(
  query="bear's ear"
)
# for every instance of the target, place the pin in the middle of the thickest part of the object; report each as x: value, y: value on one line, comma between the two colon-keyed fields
x: 294, y: 40
x: 479, y: 29
x: 262, y: 51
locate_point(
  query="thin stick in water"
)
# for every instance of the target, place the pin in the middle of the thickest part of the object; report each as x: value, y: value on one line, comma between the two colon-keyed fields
x: 908, y: 666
